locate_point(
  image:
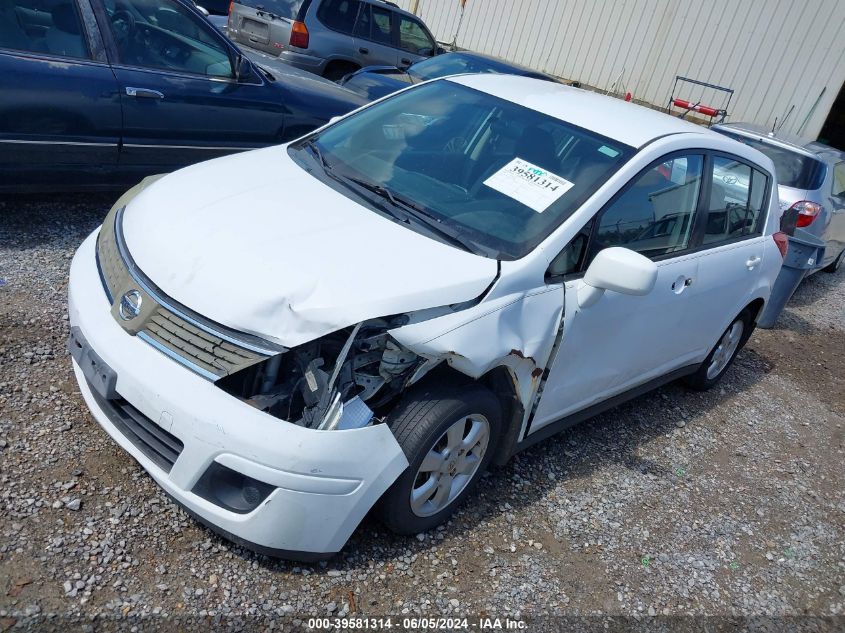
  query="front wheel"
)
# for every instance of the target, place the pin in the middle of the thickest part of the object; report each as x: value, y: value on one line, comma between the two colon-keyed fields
x: 449, y: 436
x: 723, y: 354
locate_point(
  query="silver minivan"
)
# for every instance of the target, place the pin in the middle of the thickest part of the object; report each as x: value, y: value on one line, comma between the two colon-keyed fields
x: 811, y: 185
x: 331, y: 37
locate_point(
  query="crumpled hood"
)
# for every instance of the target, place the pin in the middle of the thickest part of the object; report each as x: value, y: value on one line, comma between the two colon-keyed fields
x: 255, y: 243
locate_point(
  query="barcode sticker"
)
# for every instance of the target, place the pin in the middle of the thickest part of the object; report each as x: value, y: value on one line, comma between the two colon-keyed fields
x: 533, y: 186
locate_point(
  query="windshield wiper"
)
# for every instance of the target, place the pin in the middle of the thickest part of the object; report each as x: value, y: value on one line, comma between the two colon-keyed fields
x: 418, y: 213
x: 315, y: 149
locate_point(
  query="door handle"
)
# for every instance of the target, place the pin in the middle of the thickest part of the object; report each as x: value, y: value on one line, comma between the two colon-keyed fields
x: 144, y: 93
x: 364, y: 51
x: 752, y: 262
x: 680, y: 283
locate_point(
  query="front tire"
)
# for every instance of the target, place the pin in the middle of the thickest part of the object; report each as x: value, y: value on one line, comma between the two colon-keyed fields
x: 449, y: 435
x: 723, y: 354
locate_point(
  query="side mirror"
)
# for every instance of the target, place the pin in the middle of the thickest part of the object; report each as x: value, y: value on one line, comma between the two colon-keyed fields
x: 620, y: 270
x: 202, y: 9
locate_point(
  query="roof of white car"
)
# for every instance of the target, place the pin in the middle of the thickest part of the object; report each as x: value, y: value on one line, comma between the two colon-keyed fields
x: 614, y: 118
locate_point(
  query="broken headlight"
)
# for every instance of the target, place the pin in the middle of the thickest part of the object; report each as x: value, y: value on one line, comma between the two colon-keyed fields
x: 338, y: 381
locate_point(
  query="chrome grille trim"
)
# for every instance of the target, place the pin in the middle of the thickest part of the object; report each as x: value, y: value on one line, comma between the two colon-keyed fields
x: 253, y: 344
x: 204, y: 347
x: 178, y: 358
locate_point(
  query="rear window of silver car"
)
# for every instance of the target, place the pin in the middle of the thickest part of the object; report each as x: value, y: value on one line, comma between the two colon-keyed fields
x: 280, y: 8
x: 793, y: 169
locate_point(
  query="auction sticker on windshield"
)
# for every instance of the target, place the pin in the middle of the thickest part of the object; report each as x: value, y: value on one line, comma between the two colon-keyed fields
x: 529, y: 184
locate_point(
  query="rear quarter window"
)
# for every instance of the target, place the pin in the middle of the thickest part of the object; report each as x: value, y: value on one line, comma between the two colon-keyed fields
x: 339, y: 15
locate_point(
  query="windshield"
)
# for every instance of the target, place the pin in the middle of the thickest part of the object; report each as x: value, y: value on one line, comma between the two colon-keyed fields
x: 281, y: 8
x: 500, y: 174
x: 793, y: 169
x: 449, y: 64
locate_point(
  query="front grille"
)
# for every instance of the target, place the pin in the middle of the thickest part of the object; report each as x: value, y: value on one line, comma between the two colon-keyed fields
x: 112, y: 270
x: 160, y: 446
x: 199, y: 347
x: 211, y: 351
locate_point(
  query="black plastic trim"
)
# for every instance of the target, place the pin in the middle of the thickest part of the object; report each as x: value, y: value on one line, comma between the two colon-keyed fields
x: 161, y: 447
x: 584, y: 414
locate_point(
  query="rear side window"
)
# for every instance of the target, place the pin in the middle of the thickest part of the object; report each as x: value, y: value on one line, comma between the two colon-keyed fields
x: 374, y: 24
x: 339, y: 15
x: 839, y: 180
x: 52, y: 27
x: 413, y: 38
x: 654, y: 215
x: 737, y: 199
x: 793, y: 169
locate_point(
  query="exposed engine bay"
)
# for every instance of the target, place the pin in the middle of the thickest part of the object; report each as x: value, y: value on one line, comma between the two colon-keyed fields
x: 342, y: 380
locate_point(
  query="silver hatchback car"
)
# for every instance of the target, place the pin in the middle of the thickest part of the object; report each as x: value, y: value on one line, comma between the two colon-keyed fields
x: 811, y: 185
x: 331, y: 37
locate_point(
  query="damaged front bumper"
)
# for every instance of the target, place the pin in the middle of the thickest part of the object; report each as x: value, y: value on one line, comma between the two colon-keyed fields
x: 314, y: 486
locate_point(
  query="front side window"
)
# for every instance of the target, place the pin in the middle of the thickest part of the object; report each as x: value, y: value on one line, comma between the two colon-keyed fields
x: 499, y: 174
x: 163, y: 34
x: 340, y: 15
x: 737, y: 198
x: 413, y: 38
x: 42, y: 26
x: 654, y: 214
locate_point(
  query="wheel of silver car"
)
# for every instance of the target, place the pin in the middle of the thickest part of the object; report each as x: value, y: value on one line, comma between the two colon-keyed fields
x: 836, y: 264
x: 450, y: 464
x: 723, y: 354
x: 448, y: 435
x: 725, y: 349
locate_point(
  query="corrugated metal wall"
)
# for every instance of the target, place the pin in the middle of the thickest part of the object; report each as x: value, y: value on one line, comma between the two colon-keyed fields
x: 777, y: 55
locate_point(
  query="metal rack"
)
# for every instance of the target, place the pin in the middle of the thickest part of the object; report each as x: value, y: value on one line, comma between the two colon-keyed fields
x: 716, y: 114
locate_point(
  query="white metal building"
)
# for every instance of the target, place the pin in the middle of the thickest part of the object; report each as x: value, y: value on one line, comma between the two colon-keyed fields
x: 784, y: 59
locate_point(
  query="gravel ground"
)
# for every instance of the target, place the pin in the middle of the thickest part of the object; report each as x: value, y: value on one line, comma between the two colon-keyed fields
x: 729, y: 502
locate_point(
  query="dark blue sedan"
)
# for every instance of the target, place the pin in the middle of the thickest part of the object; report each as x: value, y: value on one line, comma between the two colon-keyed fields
x: 374, y: 82
x: 96, y: 94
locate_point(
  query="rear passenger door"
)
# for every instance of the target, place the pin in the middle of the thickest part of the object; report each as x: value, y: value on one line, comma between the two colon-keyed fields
x: 60, y: 115
x: 835, y: 233
x: 374, y: 44
x: 730, y: 245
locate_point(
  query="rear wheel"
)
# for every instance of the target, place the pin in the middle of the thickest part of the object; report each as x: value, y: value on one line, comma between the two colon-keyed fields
x: 335, y: 71
x: 449, y: 436
x: 836, y: 264
x: 723, y: 354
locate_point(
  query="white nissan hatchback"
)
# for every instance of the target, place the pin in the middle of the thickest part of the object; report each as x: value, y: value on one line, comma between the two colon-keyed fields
x: 371, y: 315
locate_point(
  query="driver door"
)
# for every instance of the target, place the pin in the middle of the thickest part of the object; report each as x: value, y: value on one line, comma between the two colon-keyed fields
x: 181, y: 101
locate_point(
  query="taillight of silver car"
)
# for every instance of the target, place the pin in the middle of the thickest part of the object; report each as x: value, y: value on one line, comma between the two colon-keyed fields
x: 299, y: 35
x: 782, y: 241
x: 807, y: 212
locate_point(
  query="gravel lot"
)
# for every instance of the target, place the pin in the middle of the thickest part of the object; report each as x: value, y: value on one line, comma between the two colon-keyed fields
x: 724, y: 503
